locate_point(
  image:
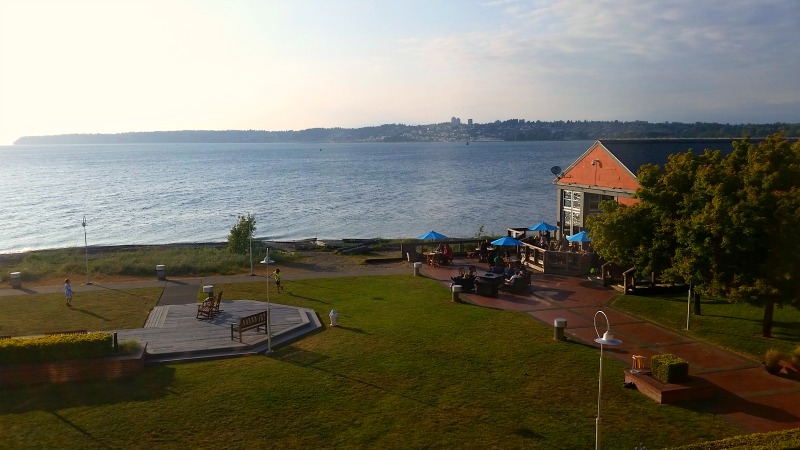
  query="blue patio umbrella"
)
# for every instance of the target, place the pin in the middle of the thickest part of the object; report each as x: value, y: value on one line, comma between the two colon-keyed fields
x: 579, y: 237
x: 432, y: 235
x: 506, y: 241
x: 543, y: 226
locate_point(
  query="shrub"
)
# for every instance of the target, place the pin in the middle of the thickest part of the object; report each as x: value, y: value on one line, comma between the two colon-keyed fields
x: 58, y: 347
x: 775, y: 440
x: 129, y: 347
x: 772, y: 360
x: 795, y: 356
x: 668, y: 368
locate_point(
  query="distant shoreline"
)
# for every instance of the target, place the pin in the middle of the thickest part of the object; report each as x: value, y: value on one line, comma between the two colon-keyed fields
x: 509, y: 130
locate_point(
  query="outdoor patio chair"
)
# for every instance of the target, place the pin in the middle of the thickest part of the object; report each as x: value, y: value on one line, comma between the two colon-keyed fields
x: 209, y: 307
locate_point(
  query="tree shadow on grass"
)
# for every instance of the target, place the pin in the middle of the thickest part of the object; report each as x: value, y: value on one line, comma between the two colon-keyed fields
x: 152, y: 383
x: 80, y: 430
x: 311, y: 299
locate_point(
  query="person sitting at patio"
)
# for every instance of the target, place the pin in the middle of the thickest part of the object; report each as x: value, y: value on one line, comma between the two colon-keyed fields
x: 483, y: 251
x: 447, y: 251
x: 498, y: 260
x: 516, y: 276
x: 509, y: 272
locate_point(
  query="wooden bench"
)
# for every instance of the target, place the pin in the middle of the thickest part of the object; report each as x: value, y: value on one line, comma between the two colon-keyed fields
x: 248, y: 322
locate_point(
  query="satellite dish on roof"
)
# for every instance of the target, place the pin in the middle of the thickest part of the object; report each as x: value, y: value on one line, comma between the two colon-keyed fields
x: 556, y: 170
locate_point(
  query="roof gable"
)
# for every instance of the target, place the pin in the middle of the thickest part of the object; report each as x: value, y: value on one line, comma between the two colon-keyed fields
x: 600, y: 168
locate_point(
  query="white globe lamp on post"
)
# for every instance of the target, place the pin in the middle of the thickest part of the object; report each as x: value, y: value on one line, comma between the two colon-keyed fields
x: 607, y: 339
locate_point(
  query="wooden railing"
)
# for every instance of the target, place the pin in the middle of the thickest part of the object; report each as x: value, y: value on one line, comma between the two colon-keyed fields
x: 547, y: 261
x: 555, y: 262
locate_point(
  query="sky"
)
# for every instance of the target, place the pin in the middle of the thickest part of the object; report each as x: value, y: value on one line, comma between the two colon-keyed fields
x: 112, y: 66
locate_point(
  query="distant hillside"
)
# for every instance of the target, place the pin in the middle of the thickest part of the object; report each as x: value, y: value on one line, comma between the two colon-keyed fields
x: 509, y: 130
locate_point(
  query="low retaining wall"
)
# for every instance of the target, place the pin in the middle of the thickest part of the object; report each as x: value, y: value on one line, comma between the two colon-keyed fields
x: 65, y: 371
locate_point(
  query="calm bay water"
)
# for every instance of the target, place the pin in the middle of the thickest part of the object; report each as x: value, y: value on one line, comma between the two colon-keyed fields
x: 166, y: 193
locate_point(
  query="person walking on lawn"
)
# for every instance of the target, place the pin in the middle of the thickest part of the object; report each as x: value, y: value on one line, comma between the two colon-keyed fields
x: 277, y: 275
x: 68, y: 292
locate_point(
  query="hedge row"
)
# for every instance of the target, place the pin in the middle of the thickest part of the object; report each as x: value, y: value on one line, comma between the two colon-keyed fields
x: 776, y: 440
x: 668, y: 368
x: 57, y: 347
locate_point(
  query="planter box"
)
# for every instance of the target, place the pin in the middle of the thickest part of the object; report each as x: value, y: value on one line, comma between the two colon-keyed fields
x: 692, y: 389
x: 65, y: 371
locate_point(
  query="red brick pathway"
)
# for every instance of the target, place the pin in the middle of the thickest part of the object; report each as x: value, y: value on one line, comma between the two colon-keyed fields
x: 746, y: 394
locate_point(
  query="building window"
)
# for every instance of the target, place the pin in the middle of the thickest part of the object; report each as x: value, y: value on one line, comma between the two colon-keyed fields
x: 593, y: 202
x: 570, y: 212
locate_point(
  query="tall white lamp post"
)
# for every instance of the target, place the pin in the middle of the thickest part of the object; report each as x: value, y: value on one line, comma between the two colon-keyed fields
x: 86, y: 246
x: 607, y: 339
x: 266, y: 261
x: 251, y: 245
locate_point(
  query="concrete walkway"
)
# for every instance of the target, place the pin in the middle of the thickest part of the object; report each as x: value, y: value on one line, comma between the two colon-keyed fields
x: 746, y: 395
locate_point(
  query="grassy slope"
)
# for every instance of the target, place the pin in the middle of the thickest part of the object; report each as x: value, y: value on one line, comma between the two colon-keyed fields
x: 406, y: 369
x: 736, y: 326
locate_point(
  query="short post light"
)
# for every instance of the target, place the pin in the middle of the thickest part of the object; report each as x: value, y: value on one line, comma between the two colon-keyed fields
x: 334, y: 318
x: 607, y: 339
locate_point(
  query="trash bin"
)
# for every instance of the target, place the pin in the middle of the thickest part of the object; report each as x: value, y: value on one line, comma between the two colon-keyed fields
x: 16, y: 280
x: 161, y: 272
x: 456, y: 293
x: 417, y: 266
x: 560, y: 325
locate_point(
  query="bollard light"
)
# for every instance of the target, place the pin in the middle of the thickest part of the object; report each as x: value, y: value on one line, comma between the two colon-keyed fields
x: 559, y: 326
x: 334, y: 317
x: 456, y: 291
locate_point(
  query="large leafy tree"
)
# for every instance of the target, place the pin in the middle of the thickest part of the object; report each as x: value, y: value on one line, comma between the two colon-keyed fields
x: 729, y: 225
x: 757, y: 221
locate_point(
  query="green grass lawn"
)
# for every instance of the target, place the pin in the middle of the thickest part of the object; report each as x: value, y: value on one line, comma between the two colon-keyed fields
x: 735, y: 326
x: 407, y: 368
x: 105, y: 309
